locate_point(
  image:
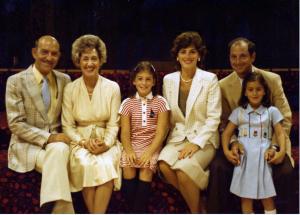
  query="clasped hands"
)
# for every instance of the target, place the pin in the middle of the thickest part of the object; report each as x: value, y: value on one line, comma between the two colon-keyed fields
x: 94, y: 145
x: 237, y: 149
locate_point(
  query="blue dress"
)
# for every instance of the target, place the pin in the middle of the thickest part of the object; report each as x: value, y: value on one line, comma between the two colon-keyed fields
x: 253, y: 177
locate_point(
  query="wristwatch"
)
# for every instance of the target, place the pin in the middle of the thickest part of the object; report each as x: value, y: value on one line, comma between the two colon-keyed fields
x: 275, y: 147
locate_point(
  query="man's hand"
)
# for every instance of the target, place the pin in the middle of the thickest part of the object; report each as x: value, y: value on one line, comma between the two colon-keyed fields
x: 188, y: 151
x: 59, y: 137
x: 233, y: 155
x: 274, y: 157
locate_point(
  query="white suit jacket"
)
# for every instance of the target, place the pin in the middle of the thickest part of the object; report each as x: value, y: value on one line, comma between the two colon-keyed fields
x: 27, y: 118
x: 203, y: 109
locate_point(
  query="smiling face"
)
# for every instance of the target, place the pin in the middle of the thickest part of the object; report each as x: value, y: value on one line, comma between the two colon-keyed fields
x: 188, y: 57
x: 255, y: 93
x: 143, y: 82
x: 89, y: 63
x: 240, y: 59
x: 46, y: 54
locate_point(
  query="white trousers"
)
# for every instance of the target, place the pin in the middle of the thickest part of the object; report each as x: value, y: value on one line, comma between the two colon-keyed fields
x: 52, y: 163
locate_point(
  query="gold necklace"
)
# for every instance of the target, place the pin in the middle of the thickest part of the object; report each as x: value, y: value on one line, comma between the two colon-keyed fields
x: 185, y: 81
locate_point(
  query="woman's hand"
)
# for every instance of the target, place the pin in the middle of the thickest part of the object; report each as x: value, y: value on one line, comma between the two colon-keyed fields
x: 188, y: 151
x: 95, y: 146
x: 99, y: 149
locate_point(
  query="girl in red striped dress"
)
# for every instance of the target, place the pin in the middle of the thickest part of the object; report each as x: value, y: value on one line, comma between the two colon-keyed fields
x: 144, y: 126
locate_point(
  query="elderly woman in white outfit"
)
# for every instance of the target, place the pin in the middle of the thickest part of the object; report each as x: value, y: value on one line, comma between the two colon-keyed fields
x: 90, y: 119
x: 195, y: 101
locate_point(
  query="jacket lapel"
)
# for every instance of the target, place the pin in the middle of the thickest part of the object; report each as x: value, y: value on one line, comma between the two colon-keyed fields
x: 235, y: 88
x: 196, y: 87
x: 34, y: 92
x: 175, y: 94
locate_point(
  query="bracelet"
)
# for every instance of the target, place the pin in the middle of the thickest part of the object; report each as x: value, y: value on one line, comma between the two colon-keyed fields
x: 82, y: 142
x: 275, y: 147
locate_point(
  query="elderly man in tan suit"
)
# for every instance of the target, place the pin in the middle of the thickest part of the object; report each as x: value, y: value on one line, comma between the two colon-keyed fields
x: 242, y: 57
x: 33, y: 105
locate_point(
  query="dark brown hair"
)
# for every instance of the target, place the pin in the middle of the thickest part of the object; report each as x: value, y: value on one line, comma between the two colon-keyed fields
x: 250, y: 77
x: 141, y: 66
x: 251, y: 45
x: 185, y: 40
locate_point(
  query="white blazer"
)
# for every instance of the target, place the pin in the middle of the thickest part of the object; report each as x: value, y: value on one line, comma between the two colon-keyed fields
x: 203, y: 109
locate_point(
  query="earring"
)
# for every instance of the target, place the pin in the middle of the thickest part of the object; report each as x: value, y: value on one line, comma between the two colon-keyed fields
x: 199, y: 59
x: 177, y: 59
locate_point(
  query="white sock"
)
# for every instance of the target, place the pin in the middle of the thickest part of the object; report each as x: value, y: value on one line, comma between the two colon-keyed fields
x: 271, y: 211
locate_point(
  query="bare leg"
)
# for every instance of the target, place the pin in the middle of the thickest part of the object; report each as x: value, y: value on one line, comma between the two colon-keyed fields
x: 189, y: 191
x: 169, y: 174
x: 102, y: 197
x: 129, y: 172
x: 268, y: 204
x: 88, y: 196
x: 145, y: 174
x: 247, y: 205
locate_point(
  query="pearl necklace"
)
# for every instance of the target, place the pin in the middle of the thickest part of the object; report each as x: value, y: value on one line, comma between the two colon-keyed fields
x: 185, y: 81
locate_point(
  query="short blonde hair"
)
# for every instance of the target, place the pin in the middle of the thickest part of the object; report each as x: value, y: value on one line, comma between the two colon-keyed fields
x: 88, y: 41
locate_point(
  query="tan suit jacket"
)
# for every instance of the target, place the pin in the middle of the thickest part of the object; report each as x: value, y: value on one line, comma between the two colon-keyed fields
x: 27, y: 118
x: 203, y: 109
x: 231, y: 91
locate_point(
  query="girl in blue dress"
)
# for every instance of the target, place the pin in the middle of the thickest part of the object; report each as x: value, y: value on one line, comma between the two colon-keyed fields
x: 255, y: 119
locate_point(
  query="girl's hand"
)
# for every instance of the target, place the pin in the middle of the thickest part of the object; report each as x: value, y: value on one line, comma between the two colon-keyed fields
x: 145, y: 158
x: 188, y: 151
x: 131, y: 156
x: 234, y: 155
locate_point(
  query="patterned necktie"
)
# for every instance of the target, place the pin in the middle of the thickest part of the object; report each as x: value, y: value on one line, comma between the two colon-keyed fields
x: 46, y: 93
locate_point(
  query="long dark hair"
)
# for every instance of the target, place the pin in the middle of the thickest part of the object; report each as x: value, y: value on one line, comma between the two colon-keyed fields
x: 255, y: 76
x: 141, y: 66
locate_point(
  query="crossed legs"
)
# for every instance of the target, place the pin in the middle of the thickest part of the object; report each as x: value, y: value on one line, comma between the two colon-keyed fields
x: 181, y: 181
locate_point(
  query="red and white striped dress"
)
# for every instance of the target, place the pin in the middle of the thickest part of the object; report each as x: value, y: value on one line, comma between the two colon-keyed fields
x: 143, y: 121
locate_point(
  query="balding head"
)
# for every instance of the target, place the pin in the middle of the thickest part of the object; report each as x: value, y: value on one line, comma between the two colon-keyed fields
x: 46, y: 54
x: 47, y: 39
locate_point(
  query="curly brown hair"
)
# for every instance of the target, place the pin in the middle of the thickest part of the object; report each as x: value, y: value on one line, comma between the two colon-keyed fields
x: 186, y: 39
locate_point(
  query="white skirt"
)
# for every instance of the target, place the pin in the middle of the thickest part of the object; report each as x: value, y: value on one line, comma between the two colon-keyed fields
x: 195, y: 167
x: 89, y: 170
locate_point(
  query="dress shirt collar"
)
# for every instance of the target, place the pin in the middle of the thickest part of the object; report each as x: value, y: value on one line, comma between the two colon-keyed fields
x: 149, y: 96
x: 39, y: 77
x: 260, y: 110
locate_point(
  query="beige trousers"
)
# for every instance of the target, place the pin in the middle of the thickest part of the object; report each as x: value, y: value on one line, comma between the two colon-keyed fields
x: 52, y: 163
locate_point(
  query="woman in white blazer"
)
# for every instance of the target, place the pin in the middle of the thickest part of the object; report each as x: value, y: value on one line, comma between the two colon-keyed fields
x: 195, y: 101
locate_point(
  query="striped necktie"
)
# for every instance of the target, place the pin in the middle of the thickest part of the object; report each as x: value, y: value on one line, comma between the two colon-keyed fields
x: 46, y: 93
